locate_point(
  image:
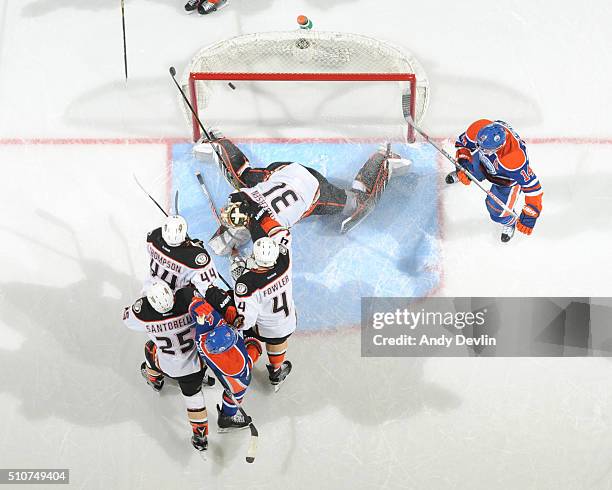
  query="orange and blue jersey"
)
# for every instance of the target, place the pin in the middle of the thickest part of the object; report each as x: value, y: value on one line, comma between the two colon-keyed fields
x: 507, y: 167
x: 233, y: 365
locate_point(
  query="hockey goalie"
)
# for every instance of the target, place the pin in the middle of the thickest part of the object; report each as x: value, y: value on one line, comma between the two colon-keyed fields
x: 291, y: 191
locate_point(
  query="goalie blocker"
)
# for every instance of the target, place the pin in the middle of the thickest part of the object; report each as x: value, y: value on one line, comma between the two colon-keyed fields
x: 290, y: 191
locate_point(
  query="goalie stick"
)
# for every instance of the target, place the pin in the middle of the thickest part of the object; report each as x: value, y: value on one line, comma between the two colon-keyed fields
x: 204, y: 188
x: 214, y: 212
x: 193, y: 112
x: 409, y: 120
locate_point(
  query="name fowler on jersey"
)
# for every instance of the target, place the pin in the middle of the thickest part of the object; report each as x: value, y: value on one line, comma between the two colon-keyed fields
x: 277, y: 285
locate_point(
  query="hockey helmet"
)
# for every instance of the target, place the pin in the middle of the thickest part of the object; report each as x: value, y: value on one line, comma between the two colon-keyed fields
x: 160, y: 296
x: 491, y: 138
x: 265, y: 252
x: 174, y: 230
x: 221, y: 339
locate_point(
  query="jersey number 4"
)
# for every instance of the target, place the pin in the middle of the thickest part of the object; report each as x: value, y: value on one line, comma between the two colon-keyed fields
x: 279, y: 303
x: 185, y: 345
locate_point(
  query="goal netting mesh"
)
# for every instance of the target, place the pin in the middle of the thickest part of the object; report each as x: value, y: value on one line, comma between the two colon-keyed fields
x: 305, y: 83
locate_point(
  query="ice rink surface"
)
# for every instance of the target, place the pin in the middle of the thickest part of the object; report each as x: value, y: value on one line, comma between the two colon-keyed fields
x: 72, y: 134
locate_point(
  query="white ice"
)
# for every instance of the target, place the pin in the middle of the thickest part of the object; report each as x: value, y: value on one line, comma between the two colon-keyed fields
x: 72, y: 256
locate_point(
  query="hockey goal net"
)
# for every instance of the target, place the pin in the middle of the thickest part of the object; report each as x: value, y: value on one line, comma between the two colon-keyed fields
x: 298, y: 79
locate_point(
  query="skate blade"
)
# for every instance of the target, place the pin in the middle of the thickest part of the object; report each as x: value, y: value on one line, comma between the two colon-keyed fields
x: 231, y: 429
x: 278, y: 386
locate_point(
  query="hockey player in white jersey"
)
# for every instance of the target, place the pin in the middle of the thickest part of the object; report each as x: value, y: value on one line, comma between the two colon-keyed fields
x: 171, y: 350
x: 291, y: 191
x: 178, y: 260
x: 263, y: 294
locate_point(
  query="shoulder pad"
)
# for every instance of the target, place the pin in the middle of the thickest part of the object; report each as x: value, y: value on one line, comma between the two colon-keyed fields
x: 192, y: 256
x: 137, y: 306
x: 184, y: 296
x: 154, y: 235
x: 242, y: 286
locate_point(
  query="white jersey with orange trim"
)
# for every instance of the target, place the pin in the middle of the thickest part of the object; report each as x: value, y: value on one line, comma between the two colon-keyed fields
x: 288, y: 193
x: 180, y: 266
x: 265, y: 296
x: 173, y: 332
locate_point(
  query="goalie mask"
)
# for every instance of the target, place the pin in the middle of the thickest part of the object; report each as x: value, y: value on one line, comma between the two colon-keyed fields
x: 174, y: 230
x: 160, y: 296
x: 233, y: 217
x: 265, y: 252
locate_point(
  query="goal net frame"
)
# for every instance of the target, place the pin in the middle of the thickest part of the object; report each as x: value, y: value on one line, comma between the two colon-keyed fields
x: 403, y: 68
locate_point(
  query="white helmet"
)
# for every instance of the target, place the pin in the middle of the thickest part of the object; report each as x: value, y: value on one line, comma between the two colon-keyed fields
x: 265, y: 252
x: 160, y: 296
x: 174, y: 230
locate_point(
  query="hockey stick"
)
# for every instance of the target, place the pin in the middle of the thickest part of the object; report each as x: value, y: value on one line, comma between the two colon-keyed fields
x: 214, y: 211
x: 497, y: 200
x: 166, y: 214
x: 250, y: 457
x: 124, y: 43
x: 208, y: 198
x: 206, y: 133
x: 150, y: 196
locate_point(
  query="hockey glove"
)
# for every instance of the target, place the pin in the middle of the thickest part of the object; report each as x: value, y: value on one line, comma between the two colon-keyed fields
x: 223, y: 302
x: 200, y: 309
x: 464, y: 159
x: 527, y: 220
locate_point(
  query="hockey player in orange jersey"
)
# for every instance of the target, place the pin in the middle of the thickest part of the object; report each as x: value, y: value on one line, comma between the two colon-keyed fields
x: 492, y: 150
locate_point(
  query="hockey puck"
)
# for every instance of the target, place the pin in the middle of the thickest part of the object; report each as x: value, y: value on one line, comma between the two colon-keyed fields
x: 232, y: 86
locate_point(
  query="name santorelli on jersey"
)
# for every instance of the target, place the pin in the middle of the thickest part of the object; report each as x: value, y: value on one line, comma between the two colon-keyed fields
x: 178, y: 317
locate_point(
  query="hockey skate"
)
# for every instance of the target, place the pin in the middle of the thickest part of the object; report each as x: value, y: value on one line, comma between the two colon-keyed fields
x: 155, y: 382
x: 368, y: 186
x: 507, y: 233
x: 228, y: 423
x: 277, y: 377
x: 192, y: 5
x: 199, y: 440
x: 210, y: 6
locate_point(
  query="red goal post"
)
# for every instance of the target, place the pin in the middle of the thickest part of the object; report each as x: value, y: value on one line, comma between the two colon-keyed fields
x: 305, y: 56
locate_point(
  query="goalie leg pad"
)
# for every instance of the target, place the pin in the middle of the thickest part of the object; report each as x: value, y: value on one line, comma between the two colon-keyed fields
x: 372, y: 178
x: 368, y: 186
